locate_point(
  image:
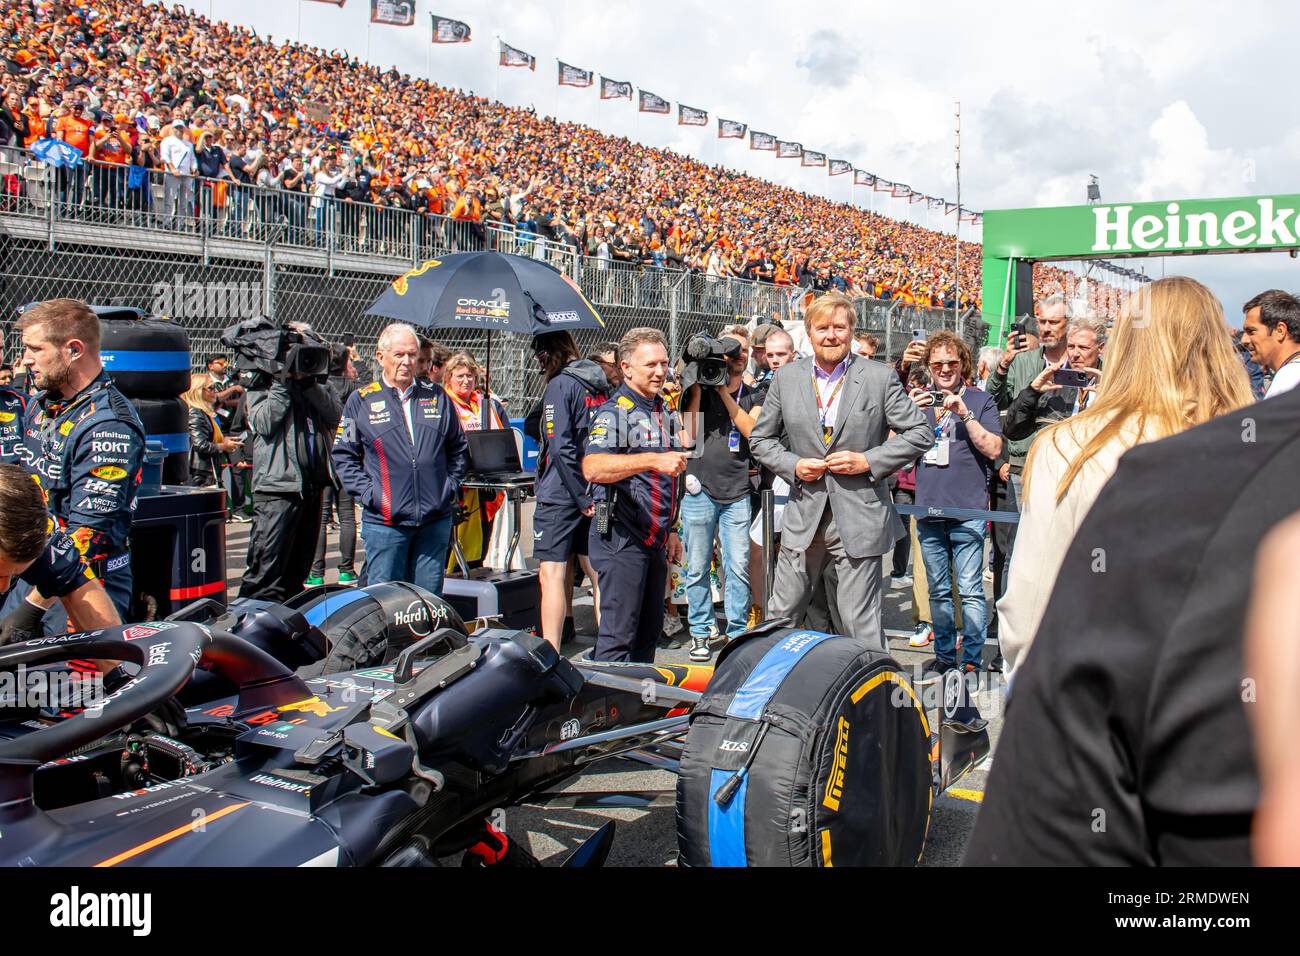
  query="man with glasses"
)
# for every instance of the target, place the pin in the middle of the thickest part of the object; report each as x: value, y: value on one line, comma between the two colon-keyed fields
x: 967, y: 438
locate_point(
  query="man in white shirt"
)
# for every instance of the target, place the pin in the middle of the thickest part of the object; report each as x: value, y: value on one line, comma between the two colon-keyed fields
x: 177, y: 155
x: 1270, y: 332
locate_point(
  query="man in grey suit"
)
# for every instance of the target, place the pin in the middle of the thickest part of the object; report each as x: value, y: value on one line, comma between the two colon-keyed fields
x: 825, y: 429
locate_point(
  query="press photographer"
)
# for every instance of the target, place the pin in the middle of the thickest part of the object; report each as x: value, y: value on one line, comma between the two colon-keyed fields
x: 717, y: 409
x: 291, y: 420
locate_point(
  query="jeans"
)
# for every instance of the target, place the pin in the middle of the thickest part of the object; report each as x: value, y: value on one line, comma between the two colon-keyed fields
x: 415, y: 555
x: 702, y: 518
x: 966, y: 539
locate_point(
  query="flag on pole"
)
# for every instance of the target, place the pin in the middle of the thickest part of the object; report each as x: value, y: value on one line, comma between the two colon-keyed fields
x: 447, y: 30
x: 690, y: 116
x: 511, y: 56
x: 614, y: 89
x: 394, y: 13
x: 934, y: 202
x: 950, y: 207
x: 788, y: 150
x: 813, y: 159
x: 730, y: 129
x: 759, y: 140
x: 574, y: 76
x: 650, y: 103
x: 839, y: 167
x: 899, y: 190
x: 882, y: 186
x: 863, y: 178
x: 916, y: 197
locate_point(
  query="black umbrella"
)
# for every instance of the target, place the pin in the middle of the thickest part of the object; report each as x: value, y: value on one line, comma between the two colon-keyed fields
x: 492, y: 291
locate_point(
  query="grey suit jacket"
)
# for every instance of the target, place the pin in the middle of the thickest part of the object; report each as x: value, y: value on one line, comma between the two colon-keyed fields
x: 870, y: 404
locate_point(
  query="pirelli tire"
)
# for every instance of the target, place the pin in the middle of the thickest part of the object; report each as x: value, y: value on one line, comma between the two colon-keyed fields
x: 167, y: 420
x: 146, y: 358
x: 805, y: 750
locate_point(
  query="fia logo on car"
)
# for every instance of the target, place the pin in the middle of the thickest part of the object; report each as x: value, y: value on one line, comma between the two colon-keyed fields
x: 570, y: 729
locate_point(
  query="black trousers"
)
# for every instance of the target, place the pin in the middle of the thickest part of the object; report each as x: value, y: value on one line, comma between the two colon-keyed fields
x: 282, y: 544
x: 632, y: 579
x: 903, y: 549
x: 347, y: 532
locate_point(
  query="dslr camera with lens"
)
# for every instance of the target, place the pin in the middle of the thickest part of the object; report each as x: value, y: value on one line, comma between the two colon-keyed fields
x: 704, y: 360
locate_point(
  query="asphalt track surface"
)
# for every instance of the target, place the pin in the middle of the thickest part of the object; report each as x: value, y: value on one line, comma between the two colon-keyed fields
x: 648, y: 837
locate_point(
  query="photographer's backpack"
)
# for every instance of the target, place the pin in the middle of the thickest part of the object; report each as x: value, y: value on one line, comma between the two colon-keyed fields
x: 806, y: 750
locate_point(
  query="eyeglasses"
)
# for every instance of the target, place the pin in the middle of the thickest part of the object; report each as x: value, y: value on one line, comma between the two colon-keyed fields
x: 940, y: 366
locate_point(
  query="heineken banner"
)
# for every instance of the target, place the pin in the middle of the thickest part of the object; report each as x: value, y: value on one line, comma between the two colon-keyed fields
x: 573, y: 76
x: 447, y: 30
x: 614, y: 89
x: 759, y: 140
x: 650, y: 103
x: 394, y: 13
x: 863, y: 178
x: 813, y: 159
x: 730, y: 129
x: 787, y: 150
x: 511, y: 56
x: 840, y: 166
x: 690, y: 116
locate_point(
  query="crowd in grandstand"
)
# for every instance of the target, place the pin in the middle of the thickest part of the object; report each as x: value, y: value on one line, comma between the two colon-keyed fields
x: 141, y: 86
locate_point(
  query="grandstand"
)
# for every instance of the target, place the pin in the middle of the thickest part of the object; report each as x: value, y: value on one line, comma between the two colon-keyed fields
x: 400, y: 168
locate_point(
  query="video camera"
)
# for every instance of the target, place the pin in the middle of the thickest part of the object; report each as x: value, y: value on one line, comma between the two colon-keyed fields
x: 704, y: 360
x: 278, y: 351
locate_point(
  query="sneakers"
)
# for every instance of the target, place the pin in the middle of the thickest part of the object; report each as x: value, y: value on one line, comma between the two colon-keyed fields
x: 900, y: 581
x: 347, y: 577
x: 313, y: 582
x: 672, y: 625
x: 672, y: 628
x: 922, y: 636
x: 700, y: 644
x: 933, y: 670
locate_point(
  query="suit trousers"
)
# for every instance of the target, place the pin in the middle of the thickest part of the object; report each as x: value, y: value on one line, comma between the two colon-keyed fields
x: 857, y: 593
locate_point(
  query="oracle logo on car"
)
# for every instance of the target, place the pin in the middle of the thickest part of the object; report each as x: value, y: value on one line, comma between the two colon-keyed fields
x: 1259, y: 224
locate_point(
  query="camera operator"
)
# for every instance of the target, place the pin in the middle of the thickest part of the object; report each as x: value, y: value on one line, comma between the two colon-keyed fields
x: 575, y: 389
x: 291, y: 420
x: 634, y: 457
x: 954, y: 473
x: 718, y: 420
x: 1043, y: 402
x: 82, y: 442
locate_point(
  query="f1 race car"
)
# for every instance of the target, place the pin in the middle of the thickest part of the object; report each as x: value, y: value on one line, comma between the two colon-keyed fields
x: 347, y: 728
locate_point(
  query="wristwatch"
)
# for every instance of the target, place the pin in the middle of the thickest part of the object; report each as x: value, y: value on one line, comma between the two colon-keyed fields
x: 969, y: 416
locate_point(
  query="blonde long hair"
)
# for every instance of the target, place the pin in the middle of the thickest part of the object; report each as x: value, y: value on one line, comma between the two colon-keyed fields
x: 194, y: 398
x: 1169, y: 367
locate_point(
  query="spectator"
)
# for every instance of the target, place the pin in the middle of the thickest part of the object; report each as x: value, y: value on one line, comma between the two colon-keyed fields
x: 178, y: 158
x: 1042, y: 402
x: 208, y: 446
x: 461, y: 376
x: 1021, y: 364
x: 433, y: 359
x: 605, y: 354
x: 1271, y: 334
x: 865, y: 344
x: 1170, y: 368
x: 406, y: 509
x: 988, y: 359
x: 954, y: 473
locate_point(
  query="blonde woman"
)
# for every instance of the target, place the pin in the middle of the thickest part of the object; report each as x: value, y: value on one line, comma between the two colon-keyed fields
x: 208, y: 446
x: 460, y: 379
x: 1169, y: 367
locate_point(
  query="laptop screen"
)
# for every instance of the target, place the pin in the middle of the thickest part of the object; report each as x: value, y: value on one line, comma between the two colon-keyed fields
x: 493, y: 450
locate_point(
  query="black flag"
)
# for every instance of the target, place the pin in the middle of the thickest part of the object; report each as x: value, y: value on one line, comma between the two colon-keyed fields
x: 730, y: 129
x: 447, y: 30
x: 650, y: 103
x: 395, y: 13
x: 690, y: 116
x: 574, y: 76
x: 615, y: 89
x: 510, y: 56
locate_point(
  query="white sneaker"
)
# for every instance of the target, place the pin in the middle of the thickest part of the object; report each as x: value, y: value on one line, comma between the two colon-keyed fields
x: 900, y: 581
x: 922, y: 636
x: 672, y: 625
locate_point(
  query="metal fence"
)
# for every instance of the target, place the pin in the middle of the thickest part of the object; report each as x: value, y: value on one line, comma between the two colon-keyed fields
x: 232, y: 252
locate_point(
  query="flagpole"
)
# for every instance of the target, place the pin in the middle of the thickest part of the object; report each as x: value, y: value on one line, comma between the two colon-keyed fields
x: 956, y: 281
x: 496, y: 74
x: 557, y: 92
x: 300, y: 21
x: 368, y: 26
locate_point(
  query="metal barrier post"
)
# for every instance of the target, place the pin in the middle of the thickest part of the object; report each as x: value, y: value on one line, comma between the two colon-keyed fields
x: 767, y: 505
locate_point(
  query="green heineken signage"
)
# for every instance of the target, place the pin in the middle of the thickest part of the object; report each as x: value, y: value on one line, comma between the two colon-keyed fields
x: 1016, y: 238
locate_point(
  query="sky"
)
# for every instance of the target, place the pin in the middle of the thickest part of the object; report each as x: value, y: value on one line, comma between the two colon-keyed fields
x: 1160, y: 100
